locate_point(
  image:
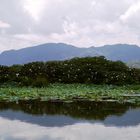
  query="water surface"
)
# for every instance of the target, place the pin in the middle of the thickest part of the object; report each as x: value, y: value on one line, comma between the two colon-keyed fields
x: 35, y: 120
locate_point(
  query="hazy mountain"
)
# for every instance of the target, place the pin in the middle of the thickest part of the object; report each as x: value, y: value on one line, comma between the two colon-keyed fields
x: 61, y: 51
x: 135, y: 64
x: 123, y: 52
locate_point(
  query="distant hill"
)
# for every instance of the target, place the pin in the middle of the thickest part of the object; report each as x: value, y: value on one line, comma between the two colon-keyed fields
x: 44, y: 52
x: 135, y: 64
x: 123, y: 52
x: 61, y: 51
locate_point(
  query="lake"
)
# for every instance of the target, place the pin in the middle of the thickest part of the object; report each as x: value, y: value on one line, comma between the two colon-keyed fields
x: 79, y: 120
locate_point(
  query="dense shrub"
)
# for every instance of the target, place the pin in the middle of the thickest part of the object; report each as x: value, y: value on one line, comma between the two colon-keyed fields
x: 40, y: 82
x: 5, y: 74
x: 97, y: 70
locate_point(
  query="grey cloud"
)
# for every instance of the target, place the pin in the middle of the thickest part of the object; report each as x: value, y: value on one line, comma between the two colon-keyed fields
x: 78, y: 22
x: 12, y: 12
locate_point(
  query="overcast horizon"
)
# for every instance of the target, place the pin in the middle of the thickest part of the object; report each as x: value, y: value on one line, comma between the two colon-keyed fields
x: 82, y: 23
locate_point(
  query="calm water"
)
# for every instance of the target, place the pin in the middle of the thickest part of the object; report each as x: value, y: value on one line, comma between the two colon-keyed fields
x: 72, y: 121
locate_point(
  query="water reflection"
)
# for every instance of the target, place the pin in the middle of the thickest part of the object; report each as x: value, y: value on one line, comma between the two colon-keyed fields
x: 35, y: 120
x: 60, y: 113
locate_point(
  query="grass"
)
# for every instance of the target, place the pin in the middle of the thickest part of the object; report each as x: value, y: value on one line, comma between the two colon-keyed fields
x: 72, y: 92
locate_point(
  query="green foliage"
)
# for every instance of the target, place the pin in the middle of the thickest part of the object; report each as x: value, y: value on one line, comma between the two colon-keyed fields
x: 25, y: 81
x: 95, y: 70
x: 40, y: 82
x: 72, y: 92
x: 5, y: 74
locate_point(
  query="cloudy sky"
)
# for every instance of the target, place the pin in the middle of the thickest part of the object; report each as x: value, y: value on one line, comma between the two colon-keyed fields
x: 82, y: 23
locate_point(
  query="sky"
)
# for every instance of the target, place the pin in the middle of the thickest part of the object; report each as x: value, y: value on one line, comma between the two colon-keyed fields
x: 83, y: 23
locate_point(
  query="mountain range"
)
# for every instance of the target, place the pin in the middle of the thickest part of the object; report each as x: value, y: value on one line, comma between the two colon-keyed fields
x: 61, y: 51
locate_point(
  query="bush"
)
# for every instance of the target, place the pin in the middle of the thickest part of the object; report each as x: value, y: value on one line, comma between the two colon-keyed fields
x: 40, y: 82
x: 25, y: 81
x: 96, y: 70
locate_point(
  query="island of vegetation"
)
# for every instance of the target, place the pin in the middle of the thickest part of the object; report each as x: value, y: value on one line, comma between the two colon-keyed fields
x: 90, y: 78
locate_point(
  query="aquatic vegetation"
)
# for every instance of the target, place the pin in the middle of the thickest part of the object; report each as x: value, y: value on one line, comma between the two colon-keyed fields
x: 73, y: 92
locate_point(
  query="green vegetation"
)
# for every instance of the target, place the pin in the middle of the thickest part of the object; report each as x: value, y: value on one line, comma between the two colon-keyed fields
x: 95, y: 70
x: 73, y: 92
x: 90, y: 78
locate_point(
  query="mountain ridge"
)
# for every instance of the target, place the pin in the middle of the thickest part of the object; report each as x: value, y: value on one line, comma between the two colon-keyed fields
x: 62, y: 51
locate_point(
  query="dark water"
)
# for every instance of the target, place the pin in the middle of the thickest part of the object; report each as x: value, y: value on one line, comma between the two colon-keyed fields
x: 35, y: 120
